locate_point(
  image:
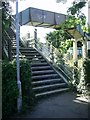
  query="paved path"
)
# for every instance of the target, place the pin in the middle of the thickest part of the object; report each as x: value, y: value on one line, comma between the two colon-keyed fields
x: 64, y: 105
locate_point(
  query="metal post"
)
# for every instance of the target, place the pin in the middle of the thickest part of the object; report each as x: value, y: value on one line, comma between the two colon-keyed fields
x: 19, y: 99
x: 52, y: 53
x: 35, y: 37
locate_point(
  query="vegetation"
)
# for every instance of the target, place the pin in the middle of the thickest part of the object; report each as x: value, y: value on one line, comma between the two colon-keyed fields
x: 81, y: 78
x: 10, y: 90
x: 59, y: 39
x: 76, y: 17
x: 86, y: 65
x: 84, y: 85
x: 76, y: 77
x: 6, y: 20
x: 25, y: 77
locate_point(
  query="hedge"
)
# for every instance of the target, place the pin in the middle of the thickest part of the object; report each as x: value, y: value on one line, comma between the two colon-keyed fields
x: 10, y: 90
x: 86, y: 66
x: 28, y: 96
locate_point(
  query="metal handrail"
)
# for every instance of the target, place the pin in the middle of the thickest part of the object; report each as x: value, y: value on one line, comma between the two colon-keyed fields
x: 11, y: 50
x: 47, y: 54
x: 6, y: 43
x: 14, y: 28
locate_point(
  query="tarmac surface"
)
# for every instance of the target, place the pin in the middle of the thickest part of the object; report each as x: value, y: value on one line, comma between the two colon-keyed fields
x: 63, y: 105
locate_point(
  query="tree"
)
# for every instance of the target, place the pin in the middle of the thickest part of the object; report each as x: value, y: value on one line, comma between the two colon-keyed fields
x: 59, y: 39
x: 6, y: 18
x: 75, y: 9
x: 75, y: 17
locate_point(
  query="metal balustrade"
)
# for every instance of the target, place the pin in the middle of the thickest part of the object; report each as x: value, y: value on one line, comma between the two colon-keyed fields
x: 13, y: 26
x: 8, y: 47
x: 7, y: 44
x: 53, y: 56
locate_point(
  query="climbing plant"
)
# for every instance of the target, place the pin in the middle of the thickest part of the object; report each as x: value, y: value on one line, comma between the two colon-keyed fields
x: 58, y: 38
x: 75, y: 17
x: 65, y: 46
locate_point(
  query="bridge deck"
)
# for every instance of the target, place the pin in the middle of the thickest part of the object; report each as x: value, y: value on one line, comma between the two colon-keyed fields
x: 42, y: 18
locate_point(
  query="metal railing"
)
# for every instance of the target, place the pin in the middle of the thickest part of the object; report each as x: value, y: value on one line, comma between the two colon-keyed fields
x: 7, y: 42
x: 53, y: 56
x: 13, y: 26
x: 8, y: 47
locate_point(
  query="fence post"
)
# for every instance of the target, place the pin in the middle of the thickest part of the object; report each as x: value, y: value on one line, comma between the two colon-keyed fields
x: 9, y: 49
x: 35, y: 37
x: 52, y: 53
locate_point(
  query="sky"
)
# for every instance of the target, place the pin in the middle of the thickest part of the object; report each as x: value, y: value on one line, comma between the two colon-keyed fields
x: 45, y: 5
x: 49, y: 5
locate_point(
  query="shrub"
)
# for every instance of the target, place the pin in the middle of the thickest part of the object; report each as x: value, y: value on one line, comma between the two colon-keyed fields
x: 25, y: 77
x: 84, y: 84
x: 74, y: 82
x: 9, y: 89
x: 86, y: 65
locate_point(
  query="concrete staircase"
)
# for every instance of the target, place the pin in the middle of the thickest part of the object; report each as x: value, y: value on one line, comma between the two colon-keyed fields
x: 45, y: 80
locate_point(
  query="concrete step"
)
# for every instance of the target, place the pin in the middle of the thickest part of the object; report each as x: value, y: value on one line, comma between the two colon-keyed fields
x: 27, y: 49
x: 46, y: 82
x: 31, y: 53
x: 36, y: 68
x: 44, y: 88
x: 48, y: 86
x: 51, y: 92
x: 32, y: 59
x: 20, y: 56
x: 42, y: 72
x: 48, y: 76
x: 37, y: 61
x: 13, y: 46
x: 13, y: 41
x: 34, y: 56
x: 33, y: 64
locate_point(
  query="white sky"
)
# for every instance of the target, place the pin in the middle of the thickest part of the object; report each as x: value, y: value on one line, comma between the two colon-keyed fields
x: 45, y: 5
x: 49, y: 5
